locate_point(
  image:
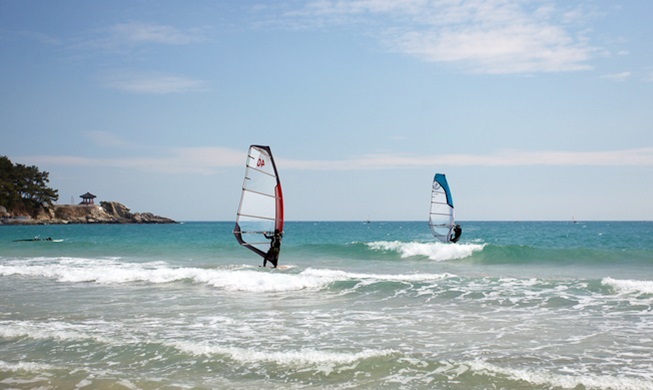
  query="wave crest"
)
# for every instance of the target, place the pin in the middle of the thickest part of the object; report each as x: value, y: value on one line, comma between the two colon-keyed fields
x: 299, y: 357
x: 434, y: 251
x: 243, y: 278
x: 629, y: 286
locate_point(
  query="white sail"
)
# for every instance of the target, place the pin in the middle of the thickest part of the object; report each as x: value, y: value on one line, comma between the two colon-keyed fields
x: 260, y: 211
x: 441, y: 217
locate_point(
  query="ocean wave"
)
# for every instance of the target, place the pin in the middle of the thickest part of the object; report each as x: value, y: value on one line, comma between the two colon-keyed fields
x: 234, y: 278
x: 629, y: 286
x: 299, y: 357
x: 434, y: 250
x: 102, y: 271
x: 253, y: 279
x: 337, y: 275
x: 114, y: 271
x: 570, y: 381
x: 52, y: 330
x: 528, y: 254
x: 469, y: 374
x: 25, y: 366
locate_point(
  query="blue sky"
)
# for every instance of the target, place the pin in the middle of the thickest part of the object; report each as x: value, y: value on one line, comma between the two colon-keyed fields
x: 534, y: 109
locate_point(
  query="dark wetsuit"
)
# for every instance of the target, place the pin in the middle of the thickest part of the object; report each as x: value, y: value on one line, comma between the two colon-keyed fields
x: 275, y: 247
x: 457, y: 232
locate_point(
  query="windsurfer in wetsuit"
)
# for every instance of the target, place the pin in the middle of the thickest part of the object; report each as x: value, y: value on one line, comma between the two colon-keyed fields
x: 457, y: 232
x: 275, y: 247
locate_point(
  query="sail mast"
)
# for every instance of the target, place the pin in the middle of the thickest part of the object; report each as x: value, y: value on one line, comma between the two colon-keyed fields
x: 260, y: 211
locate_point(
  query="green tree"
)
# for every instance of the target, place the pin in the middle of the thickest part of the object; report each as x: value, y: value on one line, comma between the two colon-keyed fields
x: 8, y: 196
x: 24, y: 187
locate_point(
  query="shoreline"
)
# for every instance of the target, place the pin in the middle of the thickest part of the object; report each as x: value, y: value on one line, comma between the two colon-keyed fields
x: 104, y: 213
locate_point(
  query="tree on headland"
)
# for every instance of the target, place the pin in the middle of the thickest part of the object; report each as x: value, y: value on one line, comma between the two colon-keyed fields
x: 24, y: 188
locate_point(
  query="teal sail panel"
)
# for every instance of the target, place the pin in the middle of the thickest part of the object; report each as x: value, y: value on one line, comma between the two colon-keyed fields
x: 441, y: 216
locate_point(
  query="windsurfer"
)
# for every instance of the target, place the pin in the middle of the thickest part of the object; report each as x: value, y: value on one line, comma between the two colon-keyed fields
x: 275, y: 247
x: 457, y: 232
x: 37, y: 238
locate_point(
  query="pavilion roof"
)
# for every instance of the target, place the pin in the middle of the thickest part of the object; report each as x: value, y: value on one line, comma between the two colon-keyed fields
x: 87, y: 196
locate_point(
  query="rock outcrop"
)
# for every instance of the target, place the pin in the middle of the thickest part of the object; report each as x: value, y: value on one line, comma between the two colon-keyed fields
x: 106, y: 212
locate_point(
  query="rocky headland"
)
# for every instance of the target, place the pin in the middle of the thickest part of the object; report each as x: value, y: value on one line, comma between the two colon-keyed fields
x: 105, y: 212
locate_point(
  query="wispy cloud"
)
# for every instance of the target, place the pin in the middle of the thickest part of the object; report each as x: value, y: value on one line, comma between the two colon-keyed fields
x: 649, y: 77
x: 201, y: 161
x: 481, y: 36
x: 209, y: 160
x: 623, y: 76
x: 141, y: 33
x: 108, y: 139
x: 506, y: 158
x: 127, y: 36
x: 126, y: 42
x: 152, y: 83
x: 42, y: 38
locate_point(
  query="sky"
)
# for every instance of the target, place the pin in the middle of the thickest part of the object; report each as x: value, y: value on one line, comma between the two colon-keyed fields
x: 534, y: 109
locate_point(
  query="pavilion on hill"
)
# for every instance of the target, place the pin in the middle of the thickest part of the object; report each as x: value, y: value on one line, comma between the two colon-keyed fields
x: 87, y: 199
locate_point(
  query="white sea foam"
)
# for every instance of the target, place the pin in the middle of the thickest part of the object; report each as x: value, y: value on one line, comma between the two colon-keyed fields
x: 51, y: 330
x: 25, y: 366
x: 433, y: 250
x: 629, y: 286
x: 255, y: 281
x: 309, y: 279
x: 113, y: 271
x: 104, y: 271
x: 298, y: 357
x: 336, y: 275
x: 571, y: 381
x: 244, y: 278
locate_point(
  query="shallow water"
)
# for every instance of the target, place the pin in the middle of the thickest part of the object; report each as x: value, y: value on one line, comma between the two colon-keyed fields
x: 515, y: 305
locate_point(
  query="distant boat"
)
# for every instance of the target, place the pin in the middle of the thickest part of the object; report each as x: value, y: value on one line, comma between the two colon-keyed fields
x: 441, y: 216
x: 260, y: 212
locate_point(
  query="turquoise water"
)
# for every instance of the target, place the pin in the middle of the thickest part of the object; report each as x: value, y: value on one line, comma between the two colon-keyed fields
x: 514, y: 305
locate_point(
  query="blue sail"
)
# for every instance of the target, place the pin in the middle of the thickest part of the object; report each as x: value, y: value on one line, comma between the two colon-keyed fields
x: 441, y: 216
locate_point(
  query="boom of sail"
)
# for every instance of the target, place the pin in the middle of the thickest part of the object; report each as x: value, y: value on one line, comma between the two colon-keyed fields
x: 260, y: 211
x: 441, y: 217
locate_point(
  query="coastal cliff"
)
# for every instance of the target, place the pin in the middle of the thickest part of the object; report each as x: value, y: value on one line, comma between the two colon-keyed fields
x: 106, y: 212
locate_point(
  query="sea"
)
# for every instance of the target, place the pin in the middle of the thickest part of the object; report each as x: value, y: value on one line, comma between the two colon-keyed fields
x: 353, y: 305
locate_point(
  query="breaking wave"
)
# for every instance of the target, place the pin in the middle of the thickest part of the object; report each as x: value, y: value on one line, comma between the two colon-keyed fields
x: 434, y: 251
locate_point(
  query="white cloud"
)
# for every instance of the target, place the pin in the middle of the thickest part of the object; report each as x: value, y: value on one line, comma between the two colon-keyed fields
x: 208, y: 160
x: 501, y: 50
x: 107, y: 139
x: 143, y: 33
x: 623, y: 76
x: 481, y: 36
x: 153, y: 83
x: 506, y: 158
x: 201, y: 160
x: 42, y: 38
x: 127, y: 36
x: 649, y: 77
